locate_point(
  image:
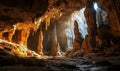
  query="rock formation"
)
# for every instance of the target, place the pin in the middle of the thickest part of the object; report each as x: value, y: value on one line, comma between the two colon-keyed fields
x: 55, y: 49
x: 40, y: 43
x: 18, y: 18
x: 77, y: 41
x: 111, y: 7
x: 90, y: 16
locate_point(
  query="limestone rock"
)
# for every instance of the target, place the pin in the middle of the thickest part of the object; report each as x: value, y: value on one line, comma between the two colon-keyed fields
x: 55, y: 49
x: 86, y: 46
x: 112, y: 51
x: 77, y: 41
x: 40, y: 41
x: 112, y: 8
x: 90, y: 16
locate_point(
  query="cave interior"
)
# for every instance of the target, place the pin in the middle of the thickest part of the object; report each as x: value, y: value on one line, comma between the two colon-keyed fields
x: 55, y: 35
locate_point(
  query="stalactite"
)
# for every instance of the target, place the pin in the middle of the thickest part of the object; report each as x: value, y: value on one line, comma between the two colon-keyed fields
x: 47, y: 20
x: 40, y: 41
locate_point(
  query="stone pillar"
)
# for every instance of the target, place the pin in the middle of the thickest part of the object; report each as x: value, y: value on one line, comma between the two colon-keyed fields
x: 90, y: 16
x: 55, y: 49
x: 40, y: 41
x: 1, y: 35
x: 77, y: 41
x: 24, y: 36
x: 10, y: 35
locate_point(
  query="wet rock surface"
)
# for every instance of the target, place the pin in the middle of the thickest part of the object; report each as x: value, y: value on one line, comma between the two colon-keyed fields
x: 94, y: 63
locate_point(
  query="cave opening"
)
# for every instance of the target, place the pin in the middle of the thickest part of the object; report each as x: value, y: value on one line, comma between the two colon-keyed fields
x: 55, y: 35
x: 79, y: 17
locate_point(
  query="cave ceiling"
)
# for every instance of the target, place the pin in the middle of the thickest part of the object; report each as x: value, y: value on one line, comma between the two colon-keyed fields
x: 26, y: 12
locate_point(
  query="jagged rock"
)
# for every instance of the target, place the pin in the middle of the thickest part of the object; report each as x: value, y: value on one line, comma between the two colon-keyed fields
x: 67, y: 52
x: 17, y: 49
x: 90, y: 16
x: 18, y: 18
x: 78, y: 37
x: 78, y: 53
x: 77, y: 41
x: 86, y: 46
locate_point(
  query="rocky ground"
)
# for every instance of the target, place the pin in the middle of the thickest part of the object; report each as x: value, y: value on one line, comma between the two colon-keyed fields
x: 85, y: 63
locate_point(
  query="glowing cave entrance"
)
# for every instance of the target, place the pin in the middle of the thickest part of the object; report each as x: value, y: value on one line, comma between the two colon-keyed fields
x: 78, y: 16
x: 82, y: 26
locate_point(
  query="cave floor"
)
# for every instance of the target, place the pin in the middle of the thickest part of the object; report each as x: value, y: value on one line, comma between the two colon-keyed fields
x: 13, y: 63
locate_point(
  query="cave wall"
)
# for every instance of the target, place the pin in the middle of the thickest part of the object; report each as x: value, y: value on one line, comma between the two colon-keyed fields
x: 112, y: 8
x: 103, y: 39
x: 26, y: 12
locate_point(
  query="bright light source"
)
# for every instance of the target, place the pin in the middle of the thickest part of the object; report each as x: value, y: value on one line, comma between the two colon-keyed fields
x: 80, y: 18
x: 95, y: 6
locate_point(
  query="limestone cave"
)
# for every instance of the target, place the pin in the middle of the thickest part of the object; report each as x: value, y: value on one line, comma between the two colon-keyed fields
x: 56, y: 35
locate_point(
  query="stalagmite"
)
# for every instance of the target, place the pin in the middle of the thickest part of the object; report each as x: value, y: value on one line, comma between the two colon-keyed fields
x: 40, y: 41
x: 90, y: 16
x: 55, y: 49
x: 77, y: 41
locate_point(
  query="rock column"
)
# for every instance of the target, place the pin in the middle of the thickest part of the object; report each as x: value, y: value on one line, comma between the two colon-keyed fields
x: 40, y: 41
x: 90, y: 16
x: 55, y: 49
x: 77, y: 41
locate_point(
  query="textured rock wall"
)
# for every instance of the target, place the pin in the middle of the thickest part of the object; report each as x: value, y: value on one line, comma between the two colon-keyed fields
x: 90, y: 16
x: 111, y: 7
x: 17, y: 17
x: 77, y: 41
